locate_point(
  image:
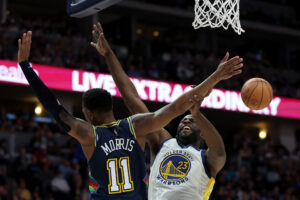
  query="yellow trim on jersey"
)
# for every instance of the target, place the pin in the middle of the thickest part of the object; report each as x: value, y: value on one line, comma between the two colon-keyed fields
x: 129, y: 174
x: 109, y: 176
x: 112, y: 124
x: 206, y: 193
x: 95, y: 136
x: 131, y: 126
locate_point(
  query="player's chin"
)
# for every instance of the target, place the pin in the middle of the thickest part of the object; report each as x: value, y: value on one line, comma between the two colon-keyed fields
x: 186, y: 133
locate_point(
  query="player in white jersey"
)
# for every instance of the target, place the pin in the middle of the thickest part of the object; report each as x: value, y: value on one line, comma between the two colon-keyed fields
x: 181, y: 169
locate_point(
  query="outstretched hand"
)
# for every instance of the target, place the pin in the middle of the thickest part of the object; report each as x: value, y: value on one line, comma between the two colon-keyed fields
x: 101, y: 44
x: 24, y: 47
x: 229, y: 68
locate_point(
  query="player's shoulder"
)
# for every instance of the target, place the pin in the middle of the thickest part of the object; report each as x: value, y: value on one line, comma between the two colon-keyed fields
x: 124, y: 126
x: 169, y: 142
x: 120, y: 122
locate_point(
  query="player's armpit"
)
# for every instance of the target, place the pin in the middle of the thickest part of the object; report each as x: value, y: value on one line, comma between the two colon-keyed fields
x: 79, y: 129
x: 154, y: 141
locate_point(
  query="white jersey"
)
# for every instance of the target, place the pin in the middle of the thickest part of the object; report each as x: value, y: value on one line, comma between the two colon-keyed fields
x: 178, y: 173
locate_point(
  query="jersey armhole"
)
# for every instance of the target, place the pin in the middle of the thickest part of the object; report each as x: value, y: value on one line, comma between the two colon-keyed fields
x: 96, y: 136
x: 204, y: 163
x: 131, y: 128
x: 162, y: 143
x: 160, y: 147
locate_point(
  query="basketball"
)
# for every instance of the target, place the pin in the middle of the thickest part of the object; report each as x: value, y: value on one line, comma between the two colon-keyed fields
x: 257, y: 93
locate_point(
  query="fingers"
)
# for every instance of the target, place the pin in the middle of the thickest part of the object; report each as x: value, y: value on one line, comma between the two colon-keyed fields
x: 26, y: 39
x: 93, y: 44
x: 237, y: 61
x: 102, y: 36
x: 95, y: 32
x: 23, y: 39
x: 98, y: 31
x: 225, y: 57
x: 24, y: 45
x: 238, y: 66
x: 100, y: 27
x: 29, y: 36
x: 236, y: 72
x: 233, y: 60
x: 192, y: 101
x: 197, y: 99
x: 95, y: 35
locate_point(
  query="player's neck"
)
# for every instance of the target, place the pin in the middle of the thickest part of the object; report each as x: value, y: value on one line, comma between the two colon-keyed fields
x: 105, y: 118
x: 187, y: 144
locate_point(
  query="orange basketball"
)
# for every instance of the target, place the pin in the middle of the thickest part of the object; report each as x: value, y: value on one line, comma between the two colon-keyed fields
x: 257, y: 93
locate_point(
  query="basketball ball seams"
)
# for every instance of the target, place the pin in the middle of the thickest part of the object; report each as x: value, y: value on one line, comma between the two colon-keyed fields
x: 262, y: 93
x: 245, y: 93
x: 253, y: 97
x: 249, y: 97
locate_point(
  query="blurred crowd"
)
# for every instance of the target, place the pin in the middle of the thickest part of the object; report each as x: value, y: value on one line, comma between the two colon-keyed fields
x: 58, y: 42
x: 50, y: 166
x: 43, y: 165
x: 258, y: 170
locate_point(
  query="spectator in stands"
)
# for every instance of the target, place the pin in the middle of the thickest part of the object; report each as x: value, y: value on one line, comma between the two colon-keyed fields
x: 22, y: 192
x: 60, y: 186
x: 3, y: 152
x: 3, y: 183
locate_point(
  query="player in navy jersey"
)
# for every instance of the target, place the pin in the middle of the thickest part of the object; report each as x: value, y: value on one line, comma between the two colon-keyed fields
x: 195, y: 168
x: 116, y: 162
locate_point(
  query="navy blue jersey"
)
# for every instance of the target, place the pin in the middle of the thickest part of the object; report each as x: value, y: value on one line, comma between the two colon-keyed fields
x: 117, y: 166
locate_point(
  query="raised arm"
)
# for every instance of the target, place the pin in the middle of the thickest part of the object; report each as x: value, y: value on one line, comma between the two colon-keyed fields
x: 124, y: 84
x: 145, y: 123
x: 79, y: 129
x: 127, y: 89
x: 215, y: 154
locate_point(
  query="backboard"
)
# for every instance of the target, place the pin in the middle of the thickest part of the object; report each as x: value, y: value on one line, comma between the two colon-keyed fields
x: 84, y: 8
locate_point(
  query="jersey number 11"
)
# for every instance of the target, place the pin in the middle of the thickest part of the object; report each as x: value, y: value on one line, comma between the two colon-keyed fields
x: 114, y: 186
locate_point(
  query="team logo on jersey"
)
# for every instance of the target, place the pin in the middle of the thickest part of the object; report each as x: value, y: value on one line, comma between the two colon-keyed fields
x: 175, y: 167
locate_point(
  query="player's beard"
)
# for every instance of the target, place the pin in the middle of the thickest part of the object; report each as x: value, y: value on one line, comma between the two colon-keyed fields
x: 190, y: 139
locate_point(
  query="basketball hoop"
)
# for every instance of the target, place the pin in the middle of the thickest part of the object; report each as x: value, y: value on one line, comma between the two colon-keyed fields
x: 218, y: 13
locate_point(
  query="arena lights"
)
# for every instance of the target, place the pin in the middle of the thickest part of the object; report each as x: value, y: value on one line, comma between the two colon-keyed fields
x: 262, y: 134
x: 139, y: 31
x: 155, y: 33
x: 38, y: 110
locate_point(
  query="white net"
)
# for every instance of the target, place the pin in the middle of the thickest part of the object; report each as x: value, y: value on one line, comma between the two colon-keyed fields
x: 218, y: 13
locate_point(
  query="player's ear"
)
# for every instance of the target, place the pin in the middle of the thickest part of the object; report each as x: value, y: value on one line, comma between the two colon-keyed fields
x: 91, y: 115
